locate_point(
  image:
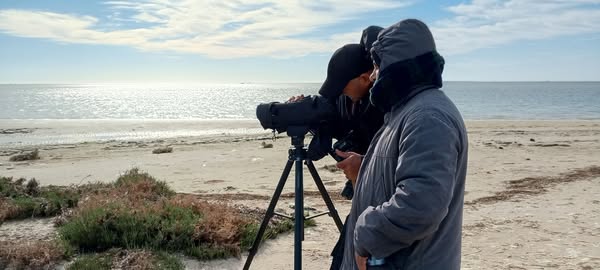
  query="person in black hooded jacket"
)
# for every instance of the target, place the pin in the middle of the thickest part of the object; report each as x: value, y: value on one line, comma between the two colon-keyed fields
x: 407, y: 208
x: 347, y: 86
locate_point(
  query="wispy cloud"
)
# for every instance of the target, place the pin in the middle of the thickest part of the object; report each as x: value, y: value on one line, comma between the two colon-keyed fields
x: 489, y: 23
x: 221, y: 29
x: 285, y: 28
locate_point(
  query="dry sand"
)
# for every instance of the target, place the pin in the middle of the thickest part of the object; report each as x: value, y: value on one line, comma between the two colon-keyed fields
x: 548, y: 217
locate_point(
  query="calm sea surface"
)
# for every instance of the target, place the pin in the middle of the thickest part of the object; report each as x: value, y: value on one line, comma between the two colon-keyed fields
x: 476, y: 100
x: 66, y: 114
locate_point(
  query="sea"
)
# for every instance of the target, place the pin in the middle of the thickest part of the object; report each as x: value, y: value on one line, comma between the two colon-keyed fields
x: 74, y: 113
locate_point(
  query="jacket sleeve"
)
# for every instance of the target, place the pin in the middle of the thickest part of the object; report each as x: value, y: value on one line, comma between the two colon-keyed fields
x: 424, y: 180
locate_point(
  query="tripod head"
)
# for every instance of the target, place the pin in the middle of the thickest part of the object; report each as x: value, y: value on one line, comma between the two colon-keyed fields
x: 297, y: 133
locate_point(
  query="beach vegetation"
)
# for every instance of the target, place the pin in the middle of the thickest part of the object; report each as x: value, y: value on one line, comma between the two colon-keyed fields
x: 126, y: 259
x: 23, y: 198
x: 31, y: 254
x: 31, y: 155
x: 136, y: 212
x: 142, y: 212
x: 162, y: 150
x: 266, y: 145
x: 142, y: 183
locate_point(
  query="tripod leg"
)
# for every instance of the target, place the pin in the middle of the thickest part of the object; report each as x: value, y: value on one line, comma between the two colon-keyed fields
x: 298, y: 217
x: 324, y: 194
x: 269, y: 213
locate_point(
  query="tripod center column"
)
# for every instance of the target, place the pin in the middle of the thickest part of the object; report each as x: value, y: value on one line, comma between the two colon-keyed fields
x: 299, y: 155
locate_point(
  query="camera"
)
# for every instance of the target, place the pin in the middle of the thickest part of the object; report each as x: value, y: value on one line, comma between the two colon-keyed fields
x: 311, y: 111
x: 315, y: 114
x: 321, y: 118
x: 344, y: 145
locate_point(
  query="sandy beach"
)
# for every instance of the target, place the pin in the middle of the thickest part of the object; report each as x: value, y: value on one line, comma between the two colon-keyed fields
x: 531, y: 197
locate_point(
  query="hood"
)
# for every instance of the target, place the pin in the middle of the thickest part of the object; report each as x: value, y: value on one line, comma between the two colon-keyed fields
x: 408, y: 63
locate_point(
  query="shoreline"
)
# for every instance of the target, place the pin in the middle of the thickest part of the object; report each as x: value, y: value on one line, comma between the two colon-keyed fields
x: 28, y: 134
x: 527, y: 139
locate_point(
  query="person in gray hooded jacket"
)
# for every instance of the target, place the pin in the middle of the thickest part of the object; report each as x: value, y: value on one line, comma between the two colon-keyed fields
x: 408, y: 202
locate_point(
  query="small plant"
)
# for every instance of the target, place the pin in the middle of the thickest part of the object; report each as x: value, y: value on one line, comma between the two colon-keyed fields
x: 20, y: 200
x: 127, y: 259
x: 32, y: 187
x: 91, y: 262
x: 143, y: 183
x: 266, y: 145
x: 162, y: 150
x: 31, y: 255
x: 33, y: 155
x: 7, y: 210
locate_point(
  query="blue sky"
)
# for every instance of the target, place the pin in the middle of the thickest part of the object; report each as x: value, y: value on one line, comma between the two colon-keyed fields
x: 231, y: 41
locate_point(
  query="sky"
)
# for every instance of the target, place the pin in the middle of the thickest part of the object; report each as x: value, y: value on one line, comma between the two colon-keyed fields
x: 276, y: 41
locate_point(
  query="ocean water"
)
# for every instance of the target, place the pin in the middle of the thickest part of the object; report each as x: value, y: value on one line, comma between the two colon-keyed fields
x: 64, y: 114
x: 476, y: 100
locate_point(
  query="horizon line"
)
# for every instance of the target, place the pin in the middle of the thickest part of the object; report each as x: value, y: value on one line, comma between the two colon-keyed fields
x: 249, y: 83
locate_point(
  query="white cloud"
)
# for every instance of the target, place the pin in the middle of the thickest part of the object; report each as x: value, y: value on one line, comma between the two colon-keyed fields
x: 490, y: 23
x: 220, y: 29
x: 289, y: 28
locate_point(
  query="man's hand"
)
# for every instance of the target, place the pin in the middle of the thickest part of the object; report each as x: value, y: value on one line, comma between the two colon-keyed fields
x: 295, y: 99
x: 350, y: 165
x: 361, y: 262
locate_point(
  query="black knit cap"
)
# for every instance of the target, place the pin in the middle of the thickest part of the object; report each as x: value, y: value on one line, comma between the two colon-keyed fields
x: 369, y: 35
x: 347, y: 63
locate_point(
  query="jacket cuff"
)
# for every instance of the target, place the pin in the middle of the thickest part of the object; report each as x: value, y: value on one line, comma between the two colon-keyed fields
x: 360, y: 251
x: 360, y: 225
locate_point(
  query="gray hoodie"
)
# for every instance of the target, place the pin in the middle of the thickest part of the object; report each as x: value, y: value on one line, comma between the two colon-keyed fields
x: 408, y: 202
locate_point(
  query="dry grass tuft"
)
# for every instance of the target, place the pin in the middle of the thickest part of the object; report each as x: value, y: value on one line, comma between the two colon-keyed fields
x: 30, y: 255
x: 127, y: 259
x: 33, y: 155
x: 162, y: 150
x: 531, y: 186
x: 7, y: 209
x: 138, y: 260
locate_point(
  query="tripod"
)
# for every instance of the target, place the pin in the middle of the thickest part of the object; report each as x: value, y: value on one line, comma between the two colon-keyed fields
x: 297, y: 154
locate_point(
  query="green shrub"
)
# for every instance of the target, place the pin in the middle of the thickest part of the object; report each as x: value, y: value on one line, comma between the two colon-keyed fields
x: 143, y: 182
x: 113, y: 225
x: 21, y: 200
x: 10, y: 188
x: 27, y: 207
x: 137, y: 212
x: 92, y: 262
x: 167, y: 261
